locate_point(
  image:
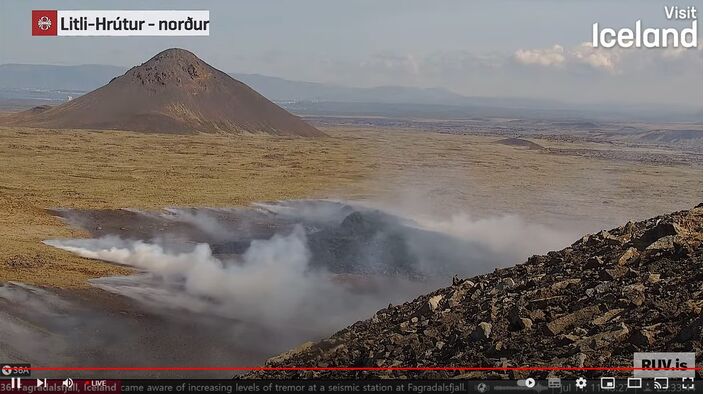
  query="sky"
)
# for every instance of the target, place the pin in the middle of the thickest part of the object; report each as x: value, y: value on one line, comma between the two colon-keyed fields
x: 496, y: 48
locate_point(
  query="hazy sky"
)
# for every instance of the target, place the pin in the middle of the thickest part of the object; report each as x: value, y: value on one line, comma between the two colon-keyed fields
x: 525, y: 48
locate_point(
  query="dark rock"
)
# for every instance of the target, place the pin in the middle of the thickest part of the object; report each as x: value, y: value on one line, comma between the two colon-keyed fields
x: 627, y: 256
x: 506, y: 283
x: 614, y: 273
x: 537, y: 315
x: 666, y: 242
x: 642, y: 338
x: 572, y: 319
x: 635, y: 293
x: 662, y: 229
x: 481, y: 332
x: 606, y: 317
x: 653, y: 278
x: 525, y: 323
x: 594, y: 303
x: 594, y: 262
x: 433, y: 303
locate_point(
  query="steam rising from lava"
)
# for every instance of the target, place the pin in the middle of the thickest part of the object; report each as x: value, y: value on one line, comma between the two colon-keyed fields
x: 321, y: 264
x: 293, y: 271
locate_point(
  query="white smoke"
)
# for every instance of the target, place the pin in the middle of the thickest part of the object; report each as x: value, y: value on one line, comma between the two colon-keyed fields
x: 270, y: 285
x: 50, y: 328
x: 269, y: 294
x: 509, y: 235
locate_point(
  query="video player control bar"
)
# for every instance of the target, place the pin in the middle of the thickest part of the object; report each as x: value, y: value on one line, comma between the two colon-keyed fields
x: 528, y: 385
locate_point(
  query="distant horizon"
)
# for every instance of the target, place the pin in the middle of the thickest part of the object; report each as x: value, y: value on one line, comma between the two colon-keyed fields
x: 122, y: 68
x: 536, y: 50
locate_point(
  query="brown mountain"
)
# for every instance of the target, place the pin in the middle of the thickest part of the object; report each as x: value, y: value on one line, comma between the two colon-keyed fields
x: 173, y: 92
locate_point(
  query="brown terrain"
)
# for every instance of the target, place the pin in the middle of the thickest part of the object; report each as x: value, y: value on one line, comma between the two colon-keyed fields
x: 45, y: 169
x: 584, y: 305
x: 173, y: 92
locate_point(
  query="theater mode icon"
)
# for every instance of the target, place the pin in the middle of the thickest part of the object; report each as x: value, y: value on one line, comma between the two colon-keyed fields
x: 634, y: 383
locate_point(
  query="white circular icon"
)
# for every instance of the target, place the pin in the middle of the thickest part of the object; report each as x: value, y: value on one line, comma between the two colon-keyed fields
x: 581, y: 383
x: 530, y: 382
x: 44, y: 23
x: 6, y: 370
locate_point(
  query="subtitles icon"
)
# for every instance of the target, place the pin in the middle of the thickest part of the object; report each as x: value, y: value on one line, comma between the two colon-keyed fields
x: 554, y: 383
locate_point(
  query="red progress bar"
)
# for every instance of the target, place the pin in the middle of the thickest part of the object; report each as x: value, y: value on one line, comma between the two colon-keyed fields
x: 359, y: 369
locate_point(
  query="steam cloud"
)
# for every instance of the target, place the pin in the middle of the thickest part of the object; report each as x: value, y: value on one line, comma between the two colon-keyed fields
x: 279, y: 274
x: 275, y: 281
x: 271, y: 284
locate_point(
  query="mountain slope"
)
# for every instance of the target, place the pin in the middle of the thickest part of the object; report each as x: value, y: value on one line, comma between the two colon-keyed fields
x: 176, y: 92
x: 634, y: 288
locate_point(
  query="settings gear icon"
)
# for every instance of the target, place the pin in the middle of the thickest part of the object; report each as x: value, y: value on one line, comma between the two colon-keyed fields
x: 581, y: 383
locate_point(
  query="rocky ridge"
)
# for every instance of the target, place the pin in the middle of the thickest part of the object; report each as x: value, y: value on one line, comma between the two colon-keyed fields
x: 634, y: 288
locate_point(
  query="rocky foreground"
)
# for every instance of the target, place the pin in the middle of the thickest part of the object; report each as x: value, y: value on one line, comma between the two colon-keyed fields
x: 631, y: 289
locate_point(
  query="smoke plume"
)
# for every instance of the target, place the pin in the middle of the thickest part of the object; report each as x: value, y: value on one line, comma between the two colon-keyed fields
x: 269, y: 277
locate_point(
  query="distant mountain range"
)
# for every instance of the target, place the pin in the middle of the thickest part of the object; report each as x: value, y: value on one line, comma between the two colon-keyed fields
x: 49, y: 77
x: 56, y: 83
x: 88, y: 77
